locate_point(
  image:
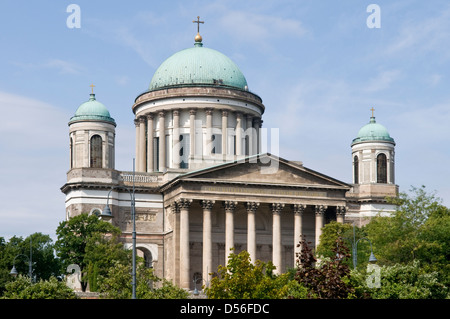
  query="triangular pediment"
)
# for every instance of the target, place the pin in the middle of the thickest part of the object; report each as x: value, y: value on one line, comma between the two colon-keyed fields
x: 264, y: 169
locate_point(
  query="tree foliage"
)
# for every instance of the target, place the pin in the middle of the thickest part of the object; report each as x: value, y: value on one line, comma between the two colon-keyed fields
x: 23, y: 288
x: 116, y: 284
x: 85, y: 240
x: 403, y: 281
x: 44, y: 262
x: 419, y: 230
x: 241, y: 279
x: 330, y: 279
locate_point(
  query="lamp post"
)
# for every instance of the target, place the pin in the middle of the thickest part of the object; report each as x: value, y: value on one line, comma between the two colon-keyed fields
x: 14, y: 271
x: 107, y: 213
x: 355, y: 249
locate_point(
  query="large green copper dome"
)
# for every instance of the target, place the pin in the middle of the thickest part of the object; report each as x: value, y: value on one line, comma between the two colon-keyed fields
x: 373, y: 131
x: 92, y: 110
x: 198, y: 66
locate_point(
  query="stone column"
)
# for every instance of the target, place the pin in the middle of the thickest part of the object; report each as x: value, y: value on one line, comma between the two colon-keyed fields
x: 340, y: 214
x: 224, y: 133
x: 185, y: 280
x: 251, y: 229
x: 150, y: 129
x: 176, y: 241
x: 229, y: 206
x: 207, y: 240
x: 138, y: 143
x: 256, y: 137
x: 276, y: 236
x: 249, y: 133
x: 298, y: 224
x: 320, y: 210
x: 238, y: 133
x: 142, y: 145
x: 176, y: 139
x: 192, y: 134
x: 162, y: 142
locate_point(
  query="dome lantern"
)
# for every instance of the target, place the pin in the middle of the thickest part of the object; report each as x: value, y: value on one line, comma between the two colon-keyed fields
x: 198, y: 66
x: 92, y: 110
x: 373, y: 131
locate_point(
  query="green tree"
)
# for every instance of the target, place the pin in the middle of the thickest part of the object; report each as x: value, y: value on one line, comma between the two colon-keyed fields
x: 117, y: 284
x: 398, y: 238
x: 22, y: 288
x: 85, y: 239
x: 349, y: 235
x: 241, y: 279
x: 330, y: 234
x: 418, y: 230
x: 44, y: 262
x: 403, y: 281
x: 331, y: 278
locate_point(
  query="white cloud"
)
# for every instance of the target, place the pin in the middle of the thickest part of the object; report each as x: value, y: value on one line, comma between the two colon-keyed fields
x: 26, y: 121
x: 419, y: 36
x: 143, y: 48
x: 131, y: 32
x: 434, y: 79
x: 33, y: 163
x: 122, y: 80
x: 257, y: 28
x: 61, y: 66
x: 64, y: 67
x: 382, y: 80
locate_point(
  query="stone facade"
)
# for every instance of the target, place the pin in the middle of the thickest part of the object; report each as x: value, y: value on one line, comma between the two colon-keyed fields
x: 202, y: 185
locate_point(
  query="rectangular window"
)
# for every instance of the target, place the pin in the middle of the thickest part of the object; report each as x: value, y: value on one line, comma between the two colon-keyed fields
x: 168, y: 155
x: 184, y: 150
x: 216, y: 144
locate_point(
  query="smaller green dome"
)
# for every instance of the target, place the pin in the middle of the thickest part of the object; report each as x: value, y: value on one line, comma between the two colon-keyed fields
x: 92, y: 110
x: 373, y: 132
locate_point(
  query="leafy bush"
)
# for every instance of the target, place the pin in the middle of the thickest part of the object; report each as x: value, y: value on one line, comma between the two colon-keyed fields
x: 22, y: 288
x: 404, y: 282
x: 117, y: 284
x: 330, y: 279
x: 241, y: 279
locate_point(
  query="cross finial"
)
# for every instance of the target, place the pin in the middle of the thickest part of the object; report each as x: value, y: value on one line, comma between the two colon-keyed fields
x: 92, y: 88
x: 198, y: 23
x: 372, y: 109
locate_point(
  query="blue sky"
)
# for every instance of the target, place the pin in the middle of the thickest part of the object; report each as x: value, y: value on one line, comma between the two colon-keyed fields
x: 316, y: 65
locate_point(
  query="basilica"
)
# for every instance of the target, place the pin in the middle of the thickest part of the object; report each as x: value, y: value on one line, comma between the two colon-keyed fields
x: 201, y: 184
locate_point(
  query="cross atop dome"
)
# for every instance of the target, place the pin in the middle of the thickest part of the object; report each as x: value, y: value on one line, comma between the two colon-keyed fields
x: 198, y: 37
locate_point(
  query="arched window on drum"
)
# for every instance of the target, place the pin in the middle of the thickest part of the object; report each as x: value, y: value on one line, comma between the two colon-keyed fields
x: 96, y: 152
x: 381, y: 168
x: 356, y: 170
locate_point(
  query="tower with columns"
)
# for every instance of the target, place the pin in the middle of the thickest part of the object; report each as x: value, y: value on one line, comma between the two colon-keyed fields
x: 92, y: 134
x: 203, y: 189
x: 197, y: 112
x: 373, y: 159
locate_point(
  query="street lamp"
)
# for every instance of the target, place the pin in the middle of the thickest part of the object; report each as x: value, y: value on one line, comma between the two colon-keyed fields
x: 107, y: 213
x: 14, y: 271
x: 372, y: 258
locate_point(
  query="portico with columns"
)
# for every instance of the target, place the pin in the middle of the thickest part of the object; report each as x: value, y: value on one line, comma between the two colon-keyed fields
x: 210, y: 212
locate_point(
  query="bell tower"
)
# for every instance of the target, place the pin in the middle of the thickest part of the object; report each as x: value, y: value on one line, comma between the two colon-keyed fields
x: 92, y: 135
x: 373, y: 158
x: 91, y: 173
